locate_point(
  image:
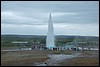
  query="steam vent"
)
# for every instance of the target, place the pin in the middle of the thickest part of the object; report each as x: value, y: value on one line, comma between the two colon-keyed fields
x: 50, y: 41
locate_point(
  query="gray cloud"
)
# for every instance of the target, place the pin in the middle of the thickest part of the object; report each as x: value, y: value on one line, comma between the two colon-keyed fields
x: 37, y: 12
x: 87, y: 12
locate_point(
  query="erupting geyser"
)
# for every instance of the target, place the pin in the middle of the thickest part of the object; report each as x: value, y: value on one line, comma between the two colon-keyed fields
x: 50, y: 35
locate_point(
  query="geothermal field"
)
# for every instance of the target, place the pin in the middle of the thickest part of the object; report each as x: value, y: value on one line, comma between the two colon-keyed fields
x: 50, y: 33
x: 49, y: 58
x: 15, y: 51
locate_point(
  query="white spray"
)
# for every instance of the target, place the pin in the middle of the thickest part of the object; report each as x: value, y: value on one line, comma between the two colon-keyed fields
x: 50, y: 41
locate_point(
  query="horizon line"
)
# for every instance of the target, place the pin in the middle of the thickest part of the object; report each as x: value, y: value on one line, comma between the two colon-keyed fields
x: 46, y: 35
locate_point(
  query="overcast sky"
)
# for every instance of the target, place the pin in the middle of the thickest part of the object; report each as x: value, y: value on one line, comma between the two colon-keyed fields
x: 31, y: 17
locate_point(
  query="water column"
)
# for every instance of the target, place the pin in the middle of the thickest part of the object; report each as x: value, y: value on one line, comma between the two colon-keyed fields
x: 50, y: 34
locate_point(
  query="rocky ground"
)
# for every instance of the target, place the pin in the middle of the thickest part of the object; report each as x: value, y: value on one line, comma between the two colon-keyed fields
x: 31, y: 58
x: 86, y: 58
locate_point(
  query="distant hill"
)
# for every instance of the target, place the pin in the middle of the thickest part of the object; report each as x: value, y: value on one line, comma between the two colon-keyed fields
x: 44, y: 37
x: 6, y: 40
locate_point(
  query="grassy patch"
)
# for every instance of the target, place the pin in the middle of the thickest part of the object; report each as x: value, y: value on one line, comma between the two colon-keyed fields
x: 81, y: 62
x: 19, y: 58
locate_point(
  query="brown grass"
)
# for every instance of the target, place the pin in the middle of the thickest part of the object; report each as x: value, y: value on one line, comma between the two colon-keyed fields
x: 81, y: 62
x: 22, y: 58
x: 28, y: 58
x: 87, y: 58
